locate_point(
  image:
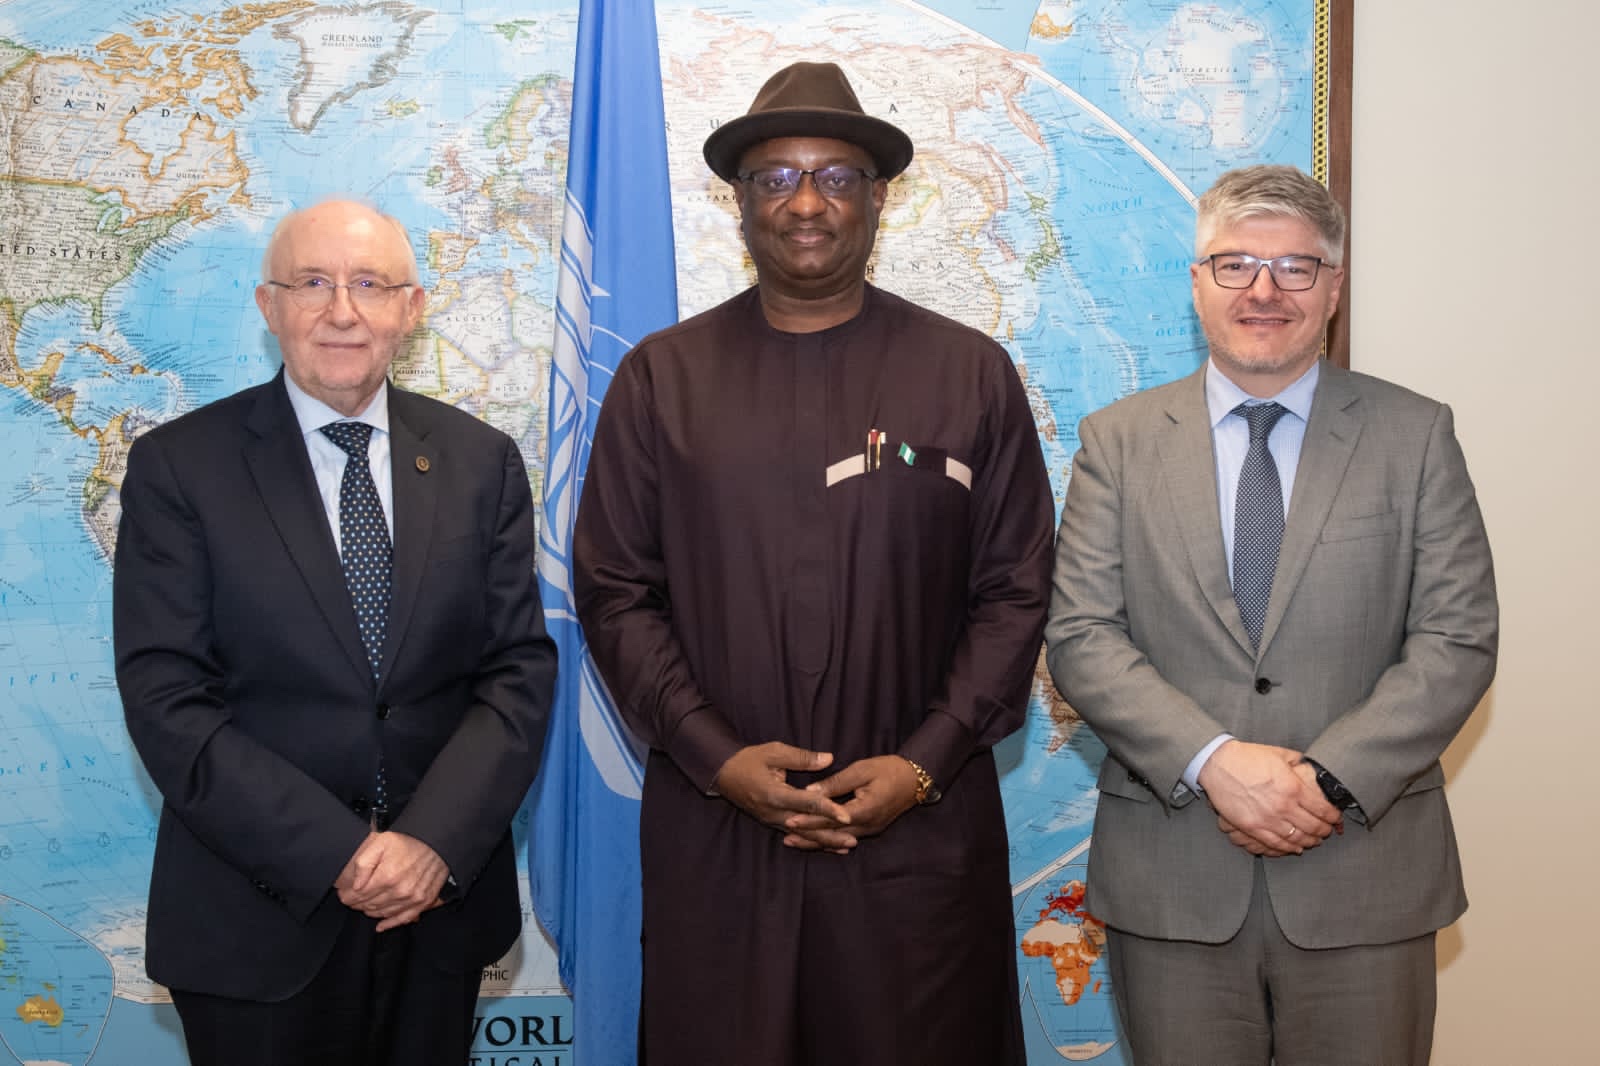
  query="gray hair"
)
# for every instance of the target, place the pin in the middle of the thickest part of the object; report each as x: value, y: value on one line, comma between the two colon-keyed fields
x: 1270, y: 190
x: 283, y: 226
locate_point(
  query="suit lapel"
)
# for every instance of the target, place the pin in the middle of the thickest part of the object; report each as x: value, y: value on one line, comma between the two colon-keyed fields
x: 1331, y: 436
x: 278, y: 462
x: 1189, y: 466
x: 413, y: 463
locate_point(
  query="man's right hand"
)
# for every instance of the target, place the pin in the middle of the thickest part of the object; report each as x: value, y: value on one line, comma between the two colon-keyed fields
x: 756, y: 780
x: 1264, y: 802
x: 392, y: 877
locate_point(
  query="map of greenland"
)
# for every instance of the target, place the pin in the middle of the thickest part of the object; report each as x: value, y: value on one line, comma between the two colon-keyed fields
x: 344, y: 50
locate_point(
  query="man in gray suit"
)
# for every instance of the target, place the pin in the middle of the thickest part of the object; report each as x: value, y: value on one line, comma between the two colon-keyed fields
x: 1273, y: 592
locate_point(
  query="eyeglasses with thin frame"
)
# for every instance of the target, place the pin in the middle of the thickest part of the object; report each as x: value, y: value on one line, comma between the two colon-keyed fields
x: 1238, y: 270
x: 837, y: 182
x: 316, y: 293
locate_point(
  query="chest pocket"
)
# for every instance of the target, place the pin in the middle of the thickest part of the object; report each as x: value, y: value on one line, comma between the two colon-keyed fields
x: 1362, y: 527
x: 888, y: 460
x: 930, y: 460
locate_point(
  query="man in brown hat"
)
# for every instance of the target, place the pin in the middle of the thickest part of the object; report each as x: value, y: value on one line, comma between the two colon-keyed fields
x: 812, y: 563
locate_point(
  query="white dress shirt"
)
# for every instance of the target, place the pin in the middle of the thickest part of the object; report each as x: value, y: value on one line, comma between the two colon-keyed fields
x: 1230, y: 440
x: 328, y: 459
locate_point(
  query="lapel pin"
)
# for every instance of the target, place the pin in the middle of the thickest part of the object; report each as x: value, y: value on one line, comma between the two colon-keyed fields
x: 422, y: 464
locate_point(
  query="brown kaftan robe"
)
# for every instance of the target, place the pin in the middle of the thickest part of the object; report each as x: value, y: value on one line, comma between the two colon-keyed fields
x: 742, y: 578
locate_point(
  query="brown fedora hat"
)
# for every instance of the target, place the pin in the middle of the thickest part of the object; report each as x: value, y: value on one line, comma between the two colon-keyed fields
x: 807, y: 100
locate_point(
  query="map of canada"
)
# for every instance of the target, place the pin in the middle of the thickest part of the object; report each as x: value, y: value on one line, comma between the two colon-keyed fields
x: 147, y: 147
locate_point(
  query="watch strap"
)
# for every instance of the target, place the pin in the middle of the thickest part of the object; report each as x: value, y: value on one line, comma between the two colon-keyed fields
x: 927, y: 791
x: 1333, y: 788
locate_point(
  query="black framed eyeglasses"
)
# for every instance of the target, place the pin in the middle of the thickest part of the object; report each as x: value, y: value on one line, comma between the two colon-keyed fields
x: 1237, y: 270
x: 316, y: 293
x: 837, y: 182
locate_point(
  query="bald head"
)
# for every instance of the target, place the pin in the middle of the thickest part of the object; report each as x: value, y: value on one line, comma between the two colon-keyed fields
x: 340, y: 293
x: 336, y: 210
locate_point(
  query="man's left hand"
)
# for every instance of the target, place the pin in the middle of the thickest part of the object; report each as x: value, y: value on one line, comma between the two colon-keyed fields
x: 884, y: 788
x: 1256, y: 846
x: 394, y: 878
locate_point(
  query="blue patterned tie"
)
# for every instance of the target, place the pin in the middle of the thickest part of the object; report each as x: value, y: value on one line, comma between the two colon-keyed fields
x: 1257, y: 519
x: 364, y: 547
x: 367, y: 555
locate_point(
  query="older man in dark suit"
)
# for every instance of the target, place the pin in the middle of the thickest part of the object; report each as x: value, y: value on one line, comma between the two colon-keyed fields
x: 333, y: 663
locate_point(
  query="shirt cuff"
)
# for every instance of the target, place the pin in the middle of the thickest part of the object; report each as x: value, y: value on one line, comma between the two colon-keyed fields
x: 703, y: 742
x: 941, y: 745
x: 1191, y: 773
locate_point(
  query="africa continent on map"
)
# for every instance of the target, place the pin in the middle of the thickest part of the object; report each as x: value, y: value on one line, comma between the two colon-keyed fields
x: 147, y: 147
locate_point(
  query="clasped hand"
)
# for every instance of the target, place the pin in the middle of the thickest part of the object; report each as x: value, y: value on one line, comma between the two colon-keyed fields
x: 879, y: 790
x: 392, y: 877
x: 1267, y: 799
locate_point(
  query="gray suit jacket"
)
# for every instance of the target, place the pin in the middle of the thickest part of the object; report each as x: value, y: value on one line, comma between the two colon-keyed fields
x: 1379, y: 641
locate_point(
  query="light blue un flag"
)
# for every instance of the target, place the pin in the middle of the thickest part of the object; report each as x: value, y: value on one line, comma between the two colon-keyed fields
x: 617, y: 283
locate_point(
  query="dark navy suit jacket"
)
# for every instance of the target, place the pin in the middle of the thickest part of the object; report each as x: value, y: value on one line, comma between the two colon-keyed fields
x: 249, y: 696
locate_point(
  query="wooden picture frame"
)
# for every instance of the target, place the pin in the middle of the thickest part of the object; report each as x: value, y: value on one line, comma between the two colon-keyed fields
x: 1334, y: 142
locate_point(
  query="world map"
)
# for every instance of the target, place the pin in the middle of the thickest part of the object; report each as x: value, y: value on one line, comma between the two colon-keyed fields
x: 148, y: 146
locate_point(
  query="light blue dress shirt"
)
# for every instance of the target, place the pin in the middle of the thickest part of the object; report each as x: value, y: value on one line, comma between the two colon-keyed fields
x: 1230, y: 440
x: 328, y: 459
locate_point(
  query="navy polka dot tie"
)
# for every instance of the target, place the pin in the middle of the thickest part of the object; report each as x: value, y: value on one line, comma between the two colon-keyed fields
x: 364, y: 546
x: 1257, y: 519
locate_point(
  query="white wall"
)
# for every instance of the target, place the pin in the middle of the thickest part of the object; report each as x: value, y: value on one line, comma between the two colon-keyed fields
x: 1475, y: 161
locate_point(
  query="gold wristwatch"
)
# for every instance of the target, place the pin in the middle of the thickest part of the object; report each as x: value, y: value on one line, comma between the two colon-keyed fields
x: 927, y: 791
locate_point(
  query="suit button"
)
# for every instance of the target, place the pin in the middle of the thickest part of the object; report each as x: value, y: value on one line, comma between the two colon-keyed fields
x: 1263, y: 685
x: 361, y: 805
x: 383, y: 712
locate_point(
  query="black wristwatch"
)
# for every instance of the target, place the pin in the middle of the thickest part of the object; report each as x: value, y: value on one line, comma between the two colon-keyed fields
x: 1333, y: 788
